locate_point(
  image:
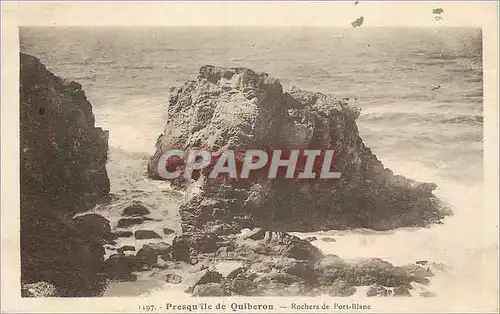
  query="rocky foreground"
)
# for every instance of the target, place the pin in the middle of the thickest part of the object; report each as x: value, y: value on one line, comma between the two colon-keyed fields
x: 62, y: 165
x: 260, y: 263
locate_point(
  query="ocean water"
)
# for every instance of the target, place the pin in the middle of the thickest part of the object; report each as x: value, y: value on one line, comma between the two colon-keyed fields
x: 425, y: 134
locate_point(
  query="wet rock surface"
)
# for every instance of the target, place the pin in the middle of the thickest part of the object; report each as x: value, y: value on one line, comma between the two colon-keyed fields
x: 123, y: 234
x: 127, y: 222
x: 146, y: 234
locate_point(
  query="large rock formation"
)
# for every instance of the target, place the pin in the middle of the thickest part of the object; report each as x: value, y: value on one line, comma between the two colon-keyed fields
x: 62, y: 166
x: 238, y: 109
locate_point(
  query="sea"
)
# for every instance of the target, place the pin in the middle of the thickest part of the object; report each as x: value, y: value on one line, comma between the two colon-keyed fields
x: 420, y: 91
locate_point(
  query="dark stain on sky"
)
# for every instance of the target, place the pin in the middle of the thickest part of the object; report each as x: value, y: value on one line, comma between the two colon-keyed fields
x: 358, y: 22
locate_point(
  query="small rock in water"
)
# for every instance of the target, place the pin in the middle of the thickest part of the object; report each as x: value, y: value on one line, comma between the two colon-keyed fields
x: 135, y: 208
x: 180, y: 249
x: 255, y: 234
x: 419, y: 272
x: 377, y: 291
x: 163, y: 249
x: 126, y: 248
x: 298, y: 268
x: 428, y: 294
x: 173, y: 279
x: 328, y: 239
x: 310, y: 239
x: 120, y: 267
x: 147, y: 256
x: 146, y: 234
x: 401, y: 291
x: 168, y: 231
x: 124, y: 234
x: 297, y: 248
x: 127, y: 222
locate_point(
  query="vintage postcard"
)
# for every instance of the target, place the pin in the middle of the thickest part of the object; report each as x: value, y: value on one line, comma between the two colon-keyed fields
x: 249, y: 157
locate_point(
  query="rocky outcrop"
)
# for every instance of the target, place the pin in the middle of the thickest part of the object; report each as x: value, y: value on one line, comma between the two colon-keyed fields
x: 62, y: 166
x: 281, y: 264
x: 239, y: 109
x: 241, y: 224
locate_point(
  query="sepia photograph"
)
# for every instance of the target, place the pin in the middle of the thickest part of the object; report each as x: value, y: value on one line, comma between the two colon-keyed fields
x: 188, y: 161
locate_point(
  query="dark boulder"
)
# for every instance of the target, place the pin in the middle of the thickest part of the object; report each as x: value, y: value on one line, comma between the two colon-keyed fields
x: 310, y: 239
x: 146, y: 234
x: 136, y: 208
x: 121, y: 267
x: 94, y: 225
x: 162, y: 249
x: 147, y: 256
x: 168, y: 231
x: 127, y: 222
x: 181, y: 250
x: 190, y: 244
x: 328, y: 239
x: 123, y: 234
